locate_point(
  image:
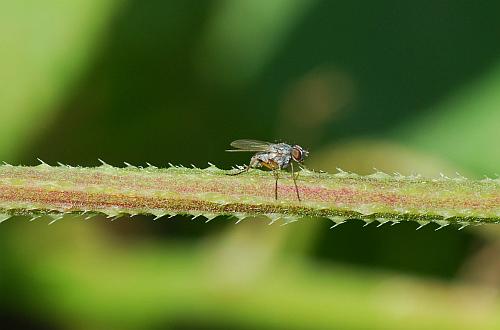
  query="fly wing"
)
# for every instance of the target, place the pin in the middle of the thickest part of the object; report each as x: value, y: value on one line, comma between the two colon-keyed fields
x: 250, y: 145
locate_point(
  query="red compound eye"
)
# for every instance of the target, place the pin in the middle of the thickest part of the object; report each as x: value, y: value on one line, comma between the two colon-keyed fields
x: 297, y: 154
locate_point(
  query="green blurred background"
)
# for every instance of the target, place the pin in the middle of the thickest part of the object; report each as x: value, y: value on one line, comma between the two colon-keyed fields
x: 401, y: 86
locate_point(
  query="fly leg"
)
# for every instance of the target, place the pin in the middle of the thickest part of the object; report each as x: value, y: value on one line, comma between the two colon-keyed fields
x: 247, y: 167
x: 276, y: 177
x: 294, y: 178
x: 254, y: 162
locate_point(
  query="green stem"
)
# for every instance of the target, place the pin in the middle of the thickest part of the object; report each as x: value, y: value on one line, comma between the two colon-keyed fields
x: 55, y: 191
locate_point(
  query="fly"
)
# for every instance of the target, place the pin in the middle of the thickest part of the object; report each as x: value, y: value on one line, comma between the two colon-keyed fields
x: 273, y: 156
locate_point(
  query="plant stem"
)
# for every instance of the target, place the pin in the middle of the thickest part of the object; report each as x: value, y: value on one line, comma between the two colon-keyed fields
x: 55, y: 191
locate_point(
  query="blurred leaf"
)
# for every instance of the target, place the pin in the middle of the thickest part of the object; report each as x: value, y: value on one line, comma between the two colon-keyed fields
x: 79, y: 275
x: 243, y: 36
x: 465, y: 128
x: 45, y: 47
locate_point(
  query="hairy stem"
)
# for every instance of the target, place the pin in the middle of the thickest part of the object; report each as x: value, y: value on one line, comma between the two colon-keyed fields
x: 55, y: 191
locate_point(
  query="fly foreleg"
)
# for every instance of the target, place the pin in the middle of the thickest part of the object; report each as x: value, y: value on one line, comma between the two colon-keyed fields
x: 294, y: 178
